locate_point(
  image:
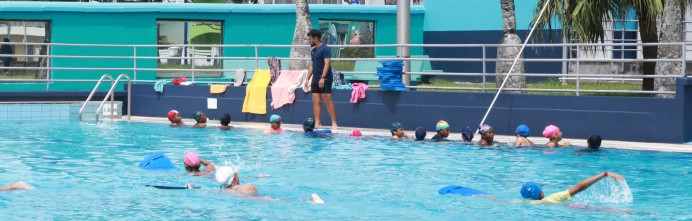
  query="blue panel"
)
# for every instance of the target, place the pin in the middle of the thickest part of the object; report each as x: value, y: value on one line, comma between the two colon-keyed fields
x: 474, y: 15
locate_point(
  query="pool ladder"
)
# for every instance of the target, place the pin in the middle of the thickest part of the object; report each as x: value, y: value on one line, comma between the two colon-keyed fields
x: 110, y: 95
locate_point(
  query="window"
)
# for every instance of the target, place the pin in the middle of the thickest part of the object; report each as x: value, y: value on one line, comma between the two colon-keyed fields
x: 344, y: 32
x: 18, y: 31
x: 183, y: 36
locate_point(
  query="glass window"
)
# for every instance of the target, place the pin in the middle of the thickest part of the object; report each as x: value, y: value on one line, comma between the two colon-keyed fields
x: 182, y: 36
x: 345, y: 32
x: 17, y: 55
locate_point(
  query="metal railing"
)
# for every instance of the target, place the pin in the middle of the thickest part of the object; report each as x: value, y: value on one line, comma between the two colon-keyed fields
x: 145, y: 58
x: 81, y: 109
x: 111, y: 95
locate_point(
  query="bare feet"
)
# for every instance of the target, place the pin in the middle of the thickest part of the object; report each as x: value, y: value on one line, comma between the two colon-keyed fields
x: 334, y: 126
x: 318, y: 125
x: 316, y: 199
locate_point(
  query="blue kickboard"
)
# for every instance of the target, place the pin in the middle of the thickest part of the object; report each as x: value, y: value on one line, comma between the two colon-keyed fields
x: 156, y: 161
x: 171, y: 187
x: 461, y: 190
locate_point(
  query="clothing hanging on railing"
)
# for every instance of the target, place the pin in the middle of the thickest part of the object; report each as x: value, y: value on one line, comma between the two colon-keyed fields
x: 274, y: 68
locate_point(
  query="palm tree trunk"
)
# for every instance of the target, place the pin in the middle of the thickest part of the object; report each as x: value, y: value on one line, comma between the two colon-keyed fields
x: 649, y: 34
x: 671, y: 31
x: 509, y: 26
x: 303, y: 26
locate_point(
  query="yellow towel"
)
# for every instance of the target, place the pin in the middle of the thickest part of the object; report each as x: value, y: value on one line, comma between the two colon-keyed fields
x: 256, y: 93
x: 217, y: 88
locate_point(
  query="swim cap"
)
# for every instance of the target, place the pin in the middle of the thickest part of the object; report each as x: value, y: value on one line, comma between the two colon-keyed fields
x: 225, y: 119
x: 441, y: 125
x: 191, y: 159
x: 197, y: 115
x: 356, y: 133
x: 523, y: 130
x: 467, y: 134
x: 420, y: 133
x: 224, y: 175
x: 484, y: 128
x: 395, y: 126
x: 531, y: 190
x: 309, y: 124
x: 594, y: 141
x: 550, y: 131
x: 274, y: 118
x: 171, y: 114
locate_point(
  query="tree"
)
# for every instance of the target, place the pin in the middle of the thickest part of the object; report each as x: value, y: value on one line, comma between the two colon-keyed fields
x: 303, y: 26
x: 671, y: 32
x: 509, y: 28
x: 583, y: 21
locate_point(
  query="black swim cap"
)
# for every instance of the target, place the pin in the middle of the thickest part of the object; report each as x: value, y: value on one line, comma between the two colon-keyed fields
x: 309, y: 125
x: 594, y: 141
x: 420, y: 133
x: 225, y: 119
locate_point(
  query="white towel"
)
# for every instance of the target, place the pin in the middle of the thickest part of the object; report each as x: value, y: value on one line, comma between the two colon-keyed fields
x: 301, y: 83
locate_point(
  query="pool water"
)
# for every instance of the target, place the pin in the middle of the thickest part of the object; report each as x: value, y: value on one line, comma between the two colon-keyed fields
x: 89, y: 171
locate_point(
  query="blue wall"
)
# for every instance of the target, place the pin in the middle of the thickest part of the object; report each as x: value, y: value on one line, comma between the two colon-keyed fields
x: 614, y: 118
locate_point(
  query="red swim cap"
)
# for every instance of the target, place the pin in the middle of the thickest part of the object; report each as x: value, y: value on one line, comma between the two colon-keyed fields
x: 171, y: 114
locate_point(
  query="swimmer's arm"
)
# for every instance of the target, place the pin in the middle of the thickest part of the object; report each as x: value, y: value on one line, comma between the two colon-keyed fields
x: 550, y: 145
x: 586, y: 183
x: 208, y: 166
x: 567, y: 144
x: 15, y: 186
x: 484, y: 142
x: 517, y: 143
x: 395, y: 137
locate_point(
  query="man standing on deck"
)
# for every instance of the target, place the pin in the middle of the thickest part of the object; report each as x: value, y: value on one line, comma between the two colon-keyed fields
x: 321, y: 82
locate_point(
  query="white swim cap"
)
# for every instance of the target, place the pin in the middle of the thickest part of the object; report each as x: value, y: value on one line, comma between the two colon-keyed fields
x: 224, y: 175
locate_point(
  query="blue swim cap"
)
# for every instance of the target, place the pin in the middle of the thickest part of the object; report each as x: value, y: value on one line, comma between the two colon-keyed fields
x: 395, y: 126
x: 467, y: 134
x: 420, y: 133
x: 523, y: 130
x: 273, y: 118
x: 531, y: 190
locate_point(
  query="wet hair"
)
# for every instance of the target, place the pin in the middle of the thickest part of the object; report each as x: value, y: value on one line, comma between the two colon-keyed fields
x: 420, y: 133
x: 314, y: 33
x: 225, y: 119
x: 594, y: 141
x: 309, y: 125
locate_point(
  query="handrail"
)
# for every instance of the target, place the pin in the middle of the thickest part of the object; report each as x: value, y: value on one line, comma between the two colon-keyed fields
x: 93, y: 92
x: 110, y: 94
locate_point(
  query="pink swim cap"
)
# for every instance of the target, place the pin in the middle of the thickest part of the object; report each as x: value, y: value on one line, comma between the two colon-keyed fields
x: 550, y: 131
x: 191, y: 159
x: 356, y: 133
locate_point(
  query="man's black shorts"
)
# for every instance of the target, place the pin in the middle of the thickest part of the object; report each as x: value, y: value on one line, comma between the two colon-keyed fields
x: 327, y: 89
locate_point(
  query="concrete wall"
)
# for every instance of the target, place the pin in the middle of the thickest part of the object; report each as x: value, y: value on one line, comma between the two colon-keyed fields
x: 614, y: 118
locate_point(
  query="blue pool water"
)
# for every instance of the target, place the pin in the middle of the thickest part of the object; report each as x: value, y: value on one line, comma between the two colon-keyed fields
x: 89, y: 171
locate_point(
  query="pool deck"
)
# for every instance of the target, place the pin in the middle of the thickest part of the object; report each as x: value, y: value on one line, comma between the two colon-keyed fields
x: 642, y: 146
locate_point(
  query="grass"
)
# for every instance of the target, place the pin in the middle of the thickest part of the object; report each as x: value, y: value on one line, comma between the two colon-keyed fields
x: 343, y: 65
x: 18, y: 75
x: 169, y: 74
x: 549, y: 84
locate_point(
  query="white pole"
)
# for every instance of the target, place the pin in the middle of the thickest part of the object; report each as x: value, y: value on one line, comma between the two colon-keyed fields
x: 526, y: 41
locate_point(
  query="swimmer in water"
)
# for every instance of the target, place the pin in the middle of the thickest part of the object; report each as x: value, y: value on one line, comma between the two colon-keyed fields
x: 442, y: 128
x: 21, y: 185
x: 275, y: 126
x: 487, y: 135
x: 175, y: 118
x: 553, y: 133
x: 420, y: 134
x: 522, y: 134
x: 594, y: 142
x: 532, y: 191
x: 225, y: 120
x: 467, y: 134
x: 230, y: 182
x: 397, y: 130
x: 201, y: 119
x: 355, y: 133
x: 193, y: 163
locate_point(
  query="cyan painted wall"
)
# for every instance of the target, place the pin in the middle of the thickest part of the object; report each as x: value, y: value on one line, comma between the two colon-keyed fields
x: 473, y: 15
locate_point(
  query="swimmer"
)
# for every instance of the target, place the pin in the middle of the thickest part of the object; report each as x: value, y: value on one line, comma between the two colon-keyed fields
x: 355, y: 133
x: 193, y: 163
x: 309, y: 129
x: 594, y: 142
x: 397, y: 130
x: 522, y: 134
x: 175, y: 118
x: 420, y: 134
x: 230, y: 182
x: 553, y: 133
x: 487, y: 135
x: 442, y: 128
x: 21, y: 185
x: 225, y: 120
x: 201, y: 119
x: 532, y: 191
x: 275, y: 126
x: 467, y: 135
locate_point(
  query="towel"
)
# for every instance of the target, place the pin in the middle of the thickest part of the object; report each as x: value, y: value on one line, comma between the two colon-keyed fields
x: 283, y: 89
x: 358, y: 93
x: 158, y: 86
x: 217, y: 88
x: 342, y: 87
x: 304, y: 80
x: 239, y: 77
x: 256, y: 93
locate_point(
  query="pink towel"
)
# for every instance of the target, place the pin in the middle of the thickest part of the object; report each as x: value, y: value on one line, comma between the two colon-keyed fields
x: 283, y: 87
x: 358, y: 93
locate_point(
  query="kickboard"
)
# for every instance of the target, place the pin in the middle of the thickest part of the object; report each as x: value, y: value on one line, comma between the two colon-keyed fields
x: 461, y: 190
x: 156, y: 161
x: 171, y: 187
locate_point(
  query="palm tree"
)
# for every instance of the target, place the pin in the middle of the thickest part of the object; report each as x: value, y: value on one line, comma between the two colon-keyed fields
x: 583, y: 20
x: 671, y: 31
x: 303, y: 26
x: 509, y: 27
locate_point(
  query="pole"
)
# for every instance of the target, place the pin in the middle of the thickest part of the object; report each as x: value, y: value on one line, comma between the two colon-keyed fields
x: 403, y: 36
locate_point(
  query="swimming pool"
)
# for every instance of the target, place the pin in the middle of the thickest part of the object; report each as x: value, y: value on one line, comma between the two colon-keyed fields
x: 81, y: 170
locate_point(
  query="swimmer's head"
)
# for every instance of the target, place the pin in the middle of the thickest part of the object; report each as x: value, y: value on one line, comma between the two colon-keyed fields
x: 191, y: 161
x: 225, y: 119
x: 523, y: 130
x: 396, y: 128
x: 174, y: 116
x: 552, y: 131
x: 275, y: 121
x: 309, y: 125
x: 531, y: 191
x: 487, y: 132
x: 442, y: 128
x: 200, y: 117
x: 224, y: 175
x: 420, y: 133
x: 594, y: 141
x: 356, y: 133
x: 467, y: 134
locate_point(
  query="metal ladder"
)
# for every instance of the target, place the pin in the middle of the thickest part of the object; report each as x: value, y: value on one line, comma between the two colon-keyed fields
x: 110, y: 93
